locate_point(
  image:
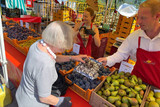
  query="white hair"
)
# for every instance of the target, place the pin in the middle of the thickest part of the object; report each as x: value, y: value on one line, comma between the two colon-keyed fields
x: 58, y: 34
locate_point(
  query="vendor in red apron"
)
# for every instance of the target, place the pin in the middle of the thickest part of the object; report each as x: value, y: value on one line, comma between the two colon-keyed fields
x: 143, y: 45
x: 83, y: 39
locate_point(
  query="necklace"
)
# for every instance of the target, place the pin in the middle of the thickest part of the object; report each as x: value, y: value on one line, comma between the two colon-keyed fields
x: 48, y: 49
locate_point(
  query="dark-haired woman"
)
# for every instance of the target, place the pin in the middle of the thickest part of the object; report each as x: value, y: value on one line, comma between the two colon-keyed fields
x: 83, y: 39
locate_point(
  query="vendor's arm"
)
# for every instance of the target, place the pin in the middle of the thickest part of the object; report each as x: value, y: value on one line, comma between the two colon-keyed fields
x: 77, y: 26
x: 75, y: 38
x: 116, y: 58
x: 123, y: 52
x: 96, y: 37
x: 65, y: 58
x: 113, y: 59
x: 76, y: 29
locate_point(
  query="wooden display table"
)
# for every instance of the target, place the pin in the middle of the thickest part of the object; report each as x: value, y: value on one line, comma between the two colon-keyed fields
x: 15, y: 68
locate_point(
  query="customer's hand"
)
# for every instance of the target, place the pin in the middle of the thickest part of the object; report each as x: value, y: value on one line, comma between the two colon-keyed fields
x: 102, y: 60
x: 64, y: 102
x: 79, y: 58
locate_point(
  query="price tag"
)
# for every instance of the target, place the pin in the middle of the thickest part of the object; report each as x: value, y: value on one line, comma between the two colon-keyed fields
x: 156, y: 90
x: 126, y: 67
x: 76, y: 48
x: 21, y: 23
x: 27, y: 25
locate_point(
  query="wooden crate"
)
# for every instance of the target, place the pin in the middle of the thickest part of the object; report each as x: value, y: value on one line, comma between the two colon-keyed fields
x: 61, y: 15
x: 123, y: 35
x: 122, y: 30
x: 64, y: 72
x: 125, y: 30
x: 119, y: 23
x: 111, y: 40
x: 124, y: 24
x: 15, y: 43
x: 103, y: 35
x: 98, y: 101
x: 108, y: 49
x: 85, y: 94
x: 154, y: 89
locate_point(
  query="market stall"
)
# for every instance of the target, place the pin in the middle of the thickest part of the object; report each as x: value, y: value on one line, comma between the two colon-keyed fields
x: 16, y: 54
x: 90, y: 83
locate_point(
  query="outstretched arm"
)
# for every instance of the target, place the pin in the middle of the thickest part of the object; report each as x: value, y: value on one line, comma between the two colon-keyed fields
x: 65, y: 58
x: 96, y: 37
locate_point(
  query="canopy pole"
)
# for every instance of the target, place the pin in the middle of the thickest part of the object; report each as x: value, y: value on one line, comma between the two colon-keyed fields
x: 107, y: 2
x: 3, y: 55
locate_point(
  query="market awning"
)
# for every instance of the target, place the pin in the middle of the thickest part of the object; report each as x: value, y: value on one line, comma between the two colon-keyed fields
x: 16, y: 4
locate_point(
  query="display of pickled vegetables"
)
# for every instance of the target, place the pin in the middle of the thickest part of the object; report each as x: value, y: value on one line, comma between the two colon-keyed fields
x: 153, y: 99
x: 28, y: 43
x: 123, y: 90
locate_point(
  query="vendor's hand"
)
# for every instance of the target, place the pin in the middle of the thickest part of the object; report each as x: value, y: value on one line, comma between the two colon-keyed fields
x: 79, y: 58
x: 102, y: 60
x: 64, y: 102
x: 77, y: 26
x: 76, y: 40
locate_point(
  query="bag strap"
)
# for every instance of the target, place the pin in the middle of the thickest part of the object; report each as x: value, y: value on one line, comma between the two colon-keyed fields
x: 2, y: 79
x: 3, y: 82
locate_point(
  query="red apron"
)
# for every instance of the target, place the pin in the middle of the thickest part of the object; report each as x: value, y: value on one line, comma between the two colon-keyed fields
x: 83, y: 49
x: 147, y: 66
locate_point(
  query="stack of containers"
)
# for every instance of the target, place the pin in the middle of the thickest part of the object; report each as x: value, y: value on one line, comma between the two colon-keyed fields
x: 123, y: 30
x: 61, y: 15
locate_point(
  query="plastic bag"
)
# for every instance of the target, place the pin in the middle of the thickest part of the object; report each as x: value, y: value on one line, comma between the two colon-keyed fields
x: 127, y: 10
x: 5, y: 94
x: 89, y: 69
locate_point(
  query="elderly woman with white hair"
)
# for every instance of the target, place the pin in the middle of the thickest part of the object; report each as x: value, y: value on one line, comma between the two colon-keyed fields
x: 39, y: 72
